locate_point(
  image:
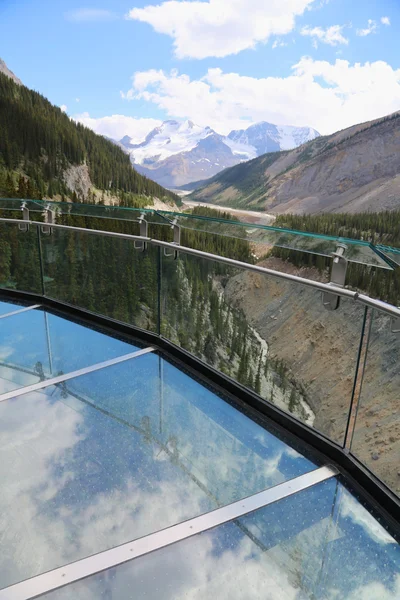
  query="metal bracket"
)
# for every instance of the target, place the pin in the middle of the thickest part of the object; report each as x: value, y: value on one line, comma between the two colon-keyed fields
x: 396, y: 325
x: 24, y: 227
x: 143, y: 232
x: 338, y: 278
x: 49, y: 219
x: 177, y: 238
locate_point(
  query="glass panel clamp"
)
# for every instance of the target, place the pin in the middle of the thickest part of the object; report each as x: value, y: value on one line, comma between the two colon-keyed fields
x: 338, y: 278
x: 49, y: 219
x: 177, y: 238
x: 143, y: 232
x: 24, y: 227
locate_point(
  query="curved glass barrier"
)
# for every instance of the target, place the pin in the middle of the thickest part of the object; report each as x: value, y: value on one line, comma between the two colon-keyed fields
x: 271, y: 335
x: 263, y: 237
x: 376, y: 437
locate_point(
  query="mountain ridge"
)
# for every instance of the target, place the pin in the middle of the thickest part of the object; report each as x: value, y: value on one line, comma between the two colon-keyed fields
x: 177, y: 153
x: 6, y: 71
x: 353, y: 170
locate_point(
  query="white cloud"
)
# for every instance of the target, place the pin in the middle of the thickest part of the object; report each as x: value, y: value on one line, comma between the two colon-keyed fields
x: 319, y: 94
x: 385, y: 20
x: 64, y: 107
x: 117, y: 126
x: 85, y: 15
x: 220, y: 27
x: 77, y: 99
x: 278, y: 44
x: 371, y: 28
x: 331, y: 35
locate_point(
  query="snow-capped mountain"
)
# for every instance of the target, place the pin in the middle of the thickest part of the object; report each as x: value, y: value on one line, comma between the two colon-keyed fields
x: 176, y: 153
x: 265, y: 137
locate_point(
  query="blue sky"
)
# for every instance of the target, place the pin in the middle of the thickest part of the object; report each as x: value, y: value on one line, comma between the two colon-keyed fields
x: 226, y: 63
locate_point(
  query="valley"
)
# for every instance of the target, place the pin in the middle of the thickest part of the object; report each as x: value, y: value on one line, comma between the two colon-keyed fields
x: 354, y: 170
x: 249, y: 216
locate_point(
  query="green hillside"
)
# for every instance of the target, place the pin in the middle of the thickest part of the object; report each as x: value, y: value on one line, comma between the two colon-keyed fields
x: 247, y: 179
x: 38, y: 143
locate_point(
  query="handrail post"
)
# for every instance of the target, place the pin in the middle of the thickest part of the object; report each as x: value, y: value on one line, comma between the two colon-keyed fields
x: 143, y: 232
x: 49, y: 219
x: 338, y: 278
x: 24, y: 227
x: 177, y: 238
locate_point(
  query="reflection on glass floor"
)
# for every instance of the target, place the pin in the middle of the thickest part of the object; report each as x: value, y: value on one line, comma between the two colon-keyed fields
x: 318, y: 544
x: 9, y: 307
x: 37, y: 345
x: 120, y: 453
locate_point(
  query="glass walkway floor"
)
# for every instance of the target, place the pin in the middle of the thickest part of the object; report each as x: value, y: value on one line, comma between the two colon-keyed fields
x: 124, y: 477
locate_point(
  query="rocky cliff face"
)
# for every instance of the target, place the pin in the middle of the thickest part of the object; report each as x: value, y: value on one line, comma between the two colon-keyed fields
x: 357, y: 169
x: 320, y: 349
x: 358, y: 174
x: 4, y: 69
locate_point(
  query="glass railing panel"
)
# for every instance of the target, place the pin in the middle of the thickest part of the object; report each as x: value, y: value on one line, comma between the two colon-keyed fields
x: 264, y: 238
x: 36, y: 345
x: 392, y: 253
x: 19, y: 258
x: 15, y: 204
x: 271, y: 335
x: 84, y: 209
x: 376, y: 437
x: 105, y: 458
x: 318, y: 544
x: 106, y: 275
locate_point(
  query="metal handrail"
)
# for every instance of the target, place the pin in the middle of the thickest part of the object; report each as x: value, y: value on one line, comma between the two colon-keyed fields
x: 389, y: 309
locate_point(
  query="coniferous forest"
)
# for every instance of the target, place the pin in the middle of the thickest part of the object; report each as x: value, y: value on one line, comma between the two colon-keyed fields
x: 180, y: 298
x: 377, y: 228
x: 39, y: 142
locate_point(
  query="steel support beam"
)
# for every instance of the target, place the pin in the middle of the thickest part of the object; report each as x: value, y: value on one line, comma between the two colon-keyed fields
x: 36, y: 586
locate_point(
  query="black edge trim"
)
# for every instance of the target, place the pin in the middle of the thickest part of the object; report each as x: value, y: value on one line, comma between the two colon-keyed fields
x: 375, y: 493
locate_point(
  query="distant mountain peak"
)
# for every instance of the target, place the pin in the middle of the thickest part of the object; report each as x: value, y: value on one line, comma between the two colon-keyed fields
x: 4, y: 69
x: 178, y: 152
